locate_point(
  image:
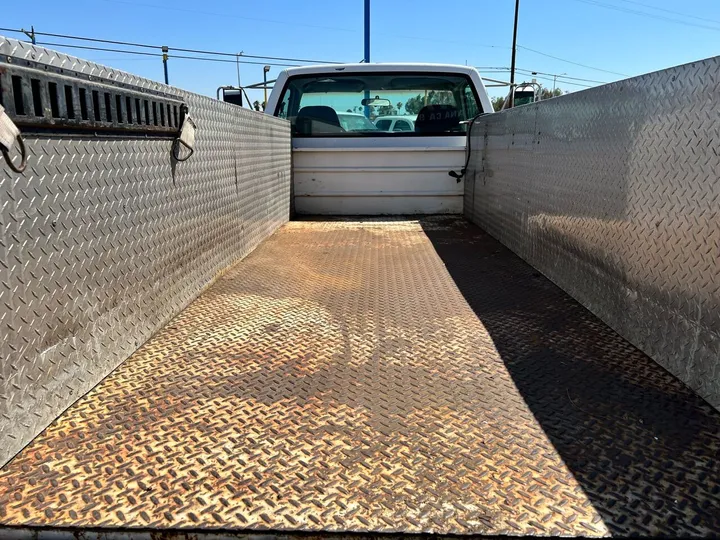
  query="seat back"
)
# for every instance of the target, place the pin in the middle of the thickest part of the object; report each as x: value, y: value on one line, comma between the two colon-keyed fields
x: 317, y: 119
x: 437, y: 119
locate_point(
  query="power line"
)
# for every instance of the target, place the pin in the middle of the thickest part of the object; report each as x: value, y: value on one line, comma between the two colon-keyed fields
x: 670, y: 11
x: 184, y: 57
x: 565, y: 82
x: 551, y: 80
x: 542, y: 76
x: 535, y: 72
x: 571, y: 62
x: 118, y: 59
x: 146, y: 46
x: 255, y: 56
x: 272, y: 21
x: 235, y: 56
x: 91, y: 48
x: 158, y: 55
x: 563, y: 76
x: 80, y: 38
x: 232, y: 15
x: 646, y: 14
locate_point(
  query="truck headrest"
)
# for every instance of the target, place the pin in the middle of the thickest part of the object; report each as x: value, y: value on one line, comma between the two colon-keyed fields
x: 317, y: 119
x: 437, y: 119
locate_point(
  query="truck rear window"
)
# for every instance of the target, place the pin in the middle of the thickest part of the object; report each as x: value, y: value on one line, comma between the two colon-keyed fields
x: 393, y: 104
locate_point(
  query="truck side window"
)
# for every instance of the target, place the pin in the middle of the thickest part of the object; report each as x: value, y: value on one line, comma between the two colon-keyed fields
x: 284, y: 106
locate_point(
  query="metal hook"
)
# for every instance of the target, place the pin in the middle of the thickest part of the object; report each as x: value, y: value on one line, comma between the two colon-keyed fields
x: 176, y: 150
x: 186, y: 136
x: 23, y: 152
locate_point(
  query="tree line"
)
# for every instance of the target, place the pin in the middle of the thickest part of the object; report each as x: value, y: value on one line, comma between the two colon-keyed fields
x: 545, y: 93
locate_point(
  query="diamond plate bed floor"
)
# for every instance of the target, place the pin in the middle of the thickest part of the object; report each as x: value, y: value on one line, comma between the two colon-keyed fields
x: 379, y: 376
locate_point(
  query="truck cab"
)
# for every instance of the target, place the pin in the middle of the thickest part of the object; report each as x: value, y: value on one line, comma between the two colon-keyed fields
x: 347, y: 161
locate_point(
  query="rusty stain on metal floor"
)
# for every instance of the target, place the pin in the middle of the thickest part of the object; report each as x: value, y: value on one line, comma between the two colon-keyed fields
x: 385, y: 376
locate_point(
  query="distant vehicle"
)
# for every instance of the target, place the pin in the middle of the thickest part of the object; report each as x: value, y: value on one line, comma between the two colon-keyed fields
x: 395, y: 123
x: 355, y: 122
x: 525, y: 94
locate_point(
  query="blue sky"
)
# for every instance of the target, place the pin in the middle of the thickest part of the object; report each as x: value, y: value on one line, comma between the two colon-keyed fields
x: 609, y: 37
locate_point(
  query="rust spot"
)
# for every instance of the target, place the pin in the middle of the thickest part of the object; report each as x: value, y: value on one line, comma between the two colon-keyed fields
x: 377, y: 376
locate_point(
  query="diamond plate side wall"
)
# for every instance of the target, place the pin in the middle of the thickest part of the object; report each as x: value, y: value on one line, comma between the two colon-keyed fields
x: 614, y: 194
x: 104, y: 239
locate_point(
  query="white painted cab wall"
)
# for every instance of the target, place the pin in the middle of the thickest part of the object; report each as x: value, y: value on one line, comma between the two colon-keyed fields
x: 375, y: 176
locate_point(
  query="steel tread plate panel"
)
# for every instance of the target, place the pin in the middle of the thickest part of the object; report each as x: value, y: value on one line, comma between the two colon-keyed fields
x: 386, y: 376
x: 613, y: 193
x: 104, y: 238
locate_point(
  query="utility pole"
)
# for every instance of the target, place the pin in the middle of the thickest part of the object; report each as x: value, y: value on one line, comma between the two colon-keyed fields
x: 555, y: 80
x: 514, y: 51
x: 30, y: 34
x: 237, y: 65
x: 265, y: 72
x: 165, y: 60
x: 366, y: 57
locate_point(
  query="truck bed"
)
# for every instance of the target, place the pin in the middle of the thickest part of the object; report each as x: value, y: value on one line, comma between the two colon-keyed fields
x: 379, y: 375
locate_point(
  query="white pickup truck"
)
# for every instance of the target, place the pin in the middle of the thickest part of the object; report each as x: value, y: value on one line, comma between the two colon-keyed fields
x: 366, y: 170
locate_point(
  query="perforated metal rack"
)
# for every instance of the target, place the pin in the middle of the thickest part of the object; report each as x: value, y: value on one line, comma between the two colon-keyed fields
x: 42, y: 96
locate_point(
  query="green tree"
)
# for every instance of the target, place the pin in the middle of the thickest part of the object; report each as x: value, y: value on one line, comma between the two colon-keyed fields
x: 546, y: 93
x: 497, y: 103
x: 414, y: 104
